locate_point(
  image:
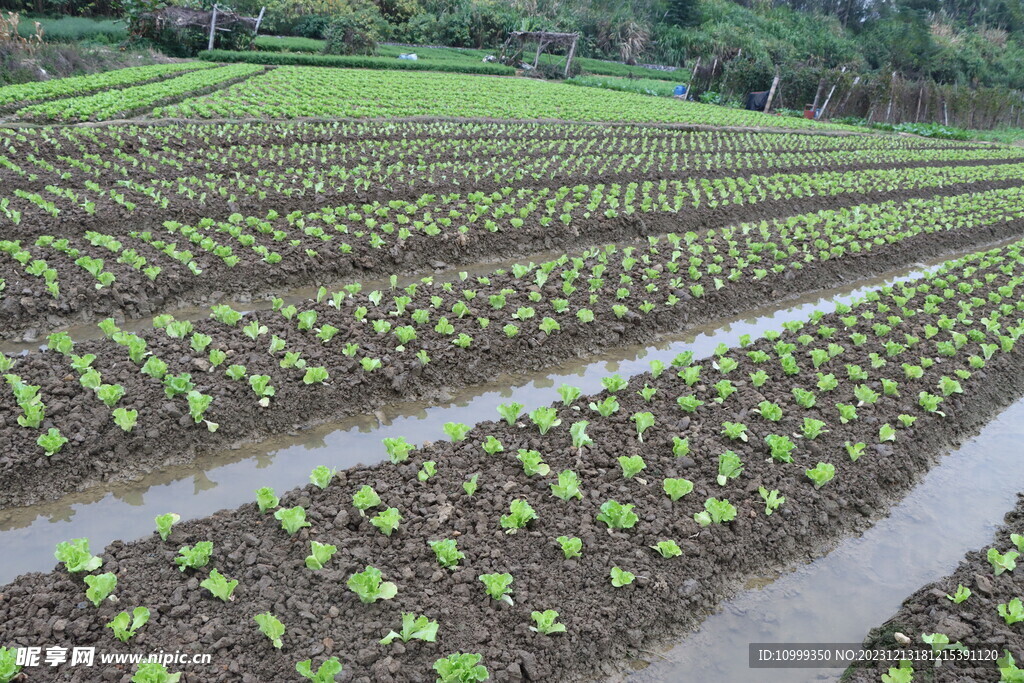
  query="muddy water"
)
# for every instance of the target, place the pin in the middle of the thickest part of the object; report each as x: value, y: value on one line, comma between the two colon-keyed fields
x: 858, y: 585
x: 226, y: 480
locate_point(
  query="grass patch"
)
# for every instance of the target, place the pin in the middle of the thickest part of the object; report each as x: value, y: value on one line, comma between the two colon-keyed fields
x: 75, y: 29
x: 355, y: 62
x: 640, y: 86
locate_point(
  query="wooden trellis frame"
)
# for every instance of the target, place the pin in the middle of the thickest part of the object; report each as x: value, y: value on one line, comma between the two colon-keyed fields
x: 544, y: 39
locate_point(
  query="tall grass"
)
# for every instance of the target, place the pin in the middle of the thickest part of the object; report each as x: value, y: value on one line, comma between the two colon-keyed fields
x: 75, y: 29
x: 640, y: 86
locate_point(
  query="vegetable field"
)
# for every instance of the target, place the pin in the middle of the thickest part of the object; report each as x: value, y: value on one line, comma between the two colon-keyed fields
x: 171, y: 290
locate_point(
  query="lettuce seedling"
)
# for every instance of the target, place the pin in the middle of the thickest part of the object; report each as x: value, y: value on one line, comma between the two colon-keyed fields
x: 219, y: 585
x: 110, y: 394
x: 292, y: 519
x: 387, y: 521
x: 821, y: 474
x: 631, y: 465
x: 569, y: 394
x: 369, y: 587
x: 492, y: 445
x: 737, y: 431
x: 261, y: 386
x: 125, y: 625
x: 413, y: 628
x: 812, y: 428
x: 447, y: 552
x: 570, y: 545
x: 51, y: 442
x: 614, y: 383
x: 1017, y: 540
x: 176, y: 385
x: 226, y: 315
x: 164, y: 523
x: 667, y: 549
x: 266, y: 499
x: 607, y: 407
x: 781, y: 446
x: 886, y: 433
x: 235, y: 372
x: 772, y: 499
x: 456, y: 431
x: 644, y: 421
x: 498, y: 586
x: 461, y: 668
x: 315, y: 375
x: 271, y: 627
x: 847, y: 412
x: 677, y: 488
x: 193, y: 557
x: 1006, y: 562
x: 940, y: 642
x: 961, y: 594
x: 100, y: 587
x: 429, y: 469
x: 154, y: 672
x: 1008, y: 670
x: 532, y: 463
x: 125, y: 419
x: 398, y: 449
x: 520, y: 514
x: 321, y: 554
x: 621, y: 578
x: 545, y: 419
x: 321, y: 476
x: 568, y: 486
x: 76, y: 556
x: 546, y: 622
x: 855, y: 450
x: 617, y: 516
x: 729, y: 467
x: 326, y: 673
x: 197, y: 405
x: 578, y: 432
x: 469, y: 486
x: 715, y: 512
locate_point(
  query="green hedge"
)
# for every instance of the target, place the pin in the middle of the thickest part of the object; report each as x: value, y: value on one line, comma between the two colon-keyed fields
x: 351, y: 62
x: 289, y: 44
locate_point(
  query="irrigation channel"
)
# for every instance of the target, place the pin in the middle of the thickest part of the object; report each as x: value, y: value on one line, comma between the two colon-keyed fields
x: 862, y: 581
x: 228, y: 479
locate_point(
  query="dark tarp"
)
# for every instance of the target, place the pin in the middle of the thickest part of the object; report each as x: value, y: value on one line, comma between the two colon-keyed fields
x: 757, y: 100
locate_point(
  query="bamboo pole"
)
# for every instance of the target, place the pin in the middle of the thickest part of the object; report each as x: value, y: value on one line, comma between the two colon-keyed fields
x: 213, y: 26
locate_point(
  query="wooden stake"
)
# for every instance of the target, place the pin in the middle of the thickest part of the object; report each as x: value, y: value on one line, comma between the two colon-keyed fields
x: 771, y: 92
x: 693, y: 76
x: 572, y: 51
x: 830, y: 93
x: 892, y: 94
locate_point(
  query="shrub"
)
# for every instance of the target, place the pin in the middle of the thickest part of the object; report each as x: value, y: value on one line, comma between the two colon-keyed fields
x: 352, y: 34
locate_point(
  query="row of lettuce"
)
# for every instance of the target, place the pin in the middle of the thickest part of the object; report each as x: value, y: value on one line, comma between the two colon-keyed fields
x: 331, y: 240
x: 236, y: 370
x: 818, y: 402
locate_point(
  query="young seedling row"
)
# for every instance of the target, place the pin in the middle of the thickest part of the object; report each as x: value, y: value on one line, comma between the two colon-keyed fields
x: 970, y: 620
x: 15, y: 97
x: 124, y: 102
x: 553, y: 541
x: 103, y: 409
x: 133, y: 232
